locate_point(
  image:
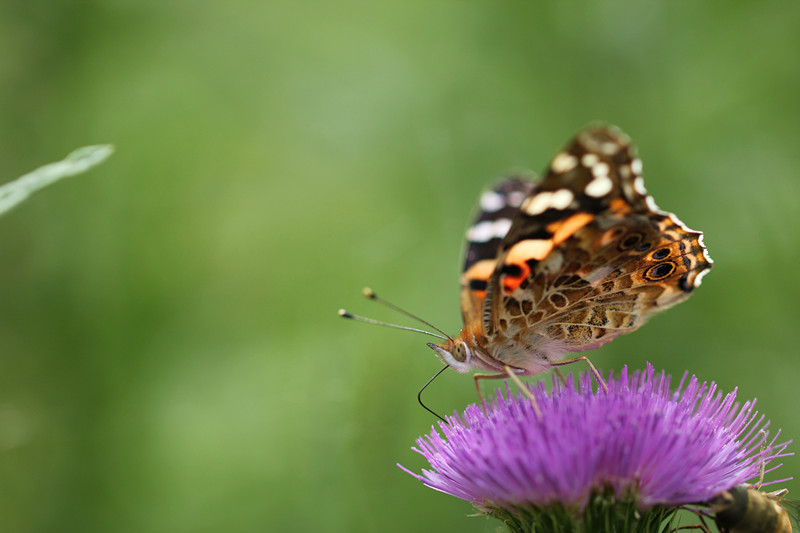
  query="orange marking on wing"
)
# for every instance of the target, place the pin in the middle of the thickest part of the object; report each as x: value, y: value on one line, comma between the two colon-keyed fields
x: 568, y: 227
x: 481, y: 270
x: 608, y: 237
x: 510, y: 283
x: 619, y: 206
x: 521, y: 252
x: 529, y: 249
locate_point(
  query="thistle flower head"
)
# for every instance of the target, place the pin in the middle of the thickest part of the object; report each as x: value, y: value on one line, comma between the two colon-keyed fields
x: 640, y: 441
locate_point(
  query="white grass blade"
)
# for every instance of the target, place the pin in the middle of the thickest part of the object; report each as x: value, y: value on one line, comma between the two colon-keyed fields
x: 77, y: 162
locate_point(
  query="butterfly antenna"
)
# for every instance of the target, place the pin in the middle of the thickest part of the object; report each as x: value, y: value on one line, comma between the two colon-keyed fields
x: 419, y: 394
x: 347, y: 314
x: 369, y: 293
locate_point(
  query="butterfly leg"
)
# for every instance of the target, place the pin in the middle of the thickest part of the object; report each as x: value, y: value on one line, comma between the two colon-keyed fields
x: 476, y: 377
x: 509, y: 374
x: 702, y: 526
x: 525, y: 390
x: 595, y: 372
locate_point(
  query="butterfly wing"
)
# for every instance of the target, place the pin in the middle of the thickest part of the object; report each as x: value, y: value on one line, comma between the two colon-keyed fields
x: 497, y: 208
x: 588, y: 256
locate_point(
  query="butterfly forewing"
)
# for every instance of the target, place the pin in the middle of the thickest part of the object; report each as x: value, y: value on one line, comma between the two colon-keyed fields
x: 496, y: 209
x: 569, y: 263
x: 587, y: 257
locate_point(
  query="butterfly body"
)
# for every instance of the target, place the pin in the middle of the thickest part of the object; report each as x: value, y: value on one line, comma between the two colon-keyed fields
x: 570, y: 263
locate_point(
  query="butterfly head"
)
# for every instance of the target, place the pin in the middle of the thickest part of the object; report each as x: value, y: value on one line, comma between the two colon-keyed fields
x: 456, y: 354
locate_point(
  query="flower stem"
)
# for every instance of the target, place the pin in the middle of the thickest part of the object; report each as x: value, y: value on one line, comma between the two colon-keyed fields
x: 604, y: 514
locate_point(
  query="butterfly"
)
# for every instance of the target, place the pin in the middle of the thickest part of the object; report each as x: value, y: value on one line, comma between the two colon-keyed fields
x: 569, y: 263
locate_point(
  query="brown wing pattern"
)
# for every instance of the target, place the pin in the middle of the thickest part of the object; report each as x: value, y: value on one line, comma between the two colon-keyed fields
x: 588, y: 256
x: 602, y: 283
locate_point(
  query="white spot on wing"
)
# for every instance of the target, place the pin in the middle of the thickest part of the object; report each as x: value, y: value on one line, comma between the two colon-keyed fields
x: 502, y: 226
x: 705, y: 250
x: 589, y: 160
x: 636, y: 166
x: 488, y: 229
x: 678, y: 222
x: 652, y: 205
x: 561, y: 199
x: 627, y: 187
x: 537, y: 203
x: 544, y: 200
x: 700, y: 275
x: 492, y: 201
x: 599, y: 187
x: 600, y: 170
x: 563, y: 162
x: 609, y: 148
x: 515, y: 198
x: 638, y: 184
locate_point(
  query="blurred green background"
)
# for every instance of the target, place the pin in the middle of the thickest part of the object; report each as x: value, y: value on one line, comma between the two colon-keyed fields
x: 172, y: 359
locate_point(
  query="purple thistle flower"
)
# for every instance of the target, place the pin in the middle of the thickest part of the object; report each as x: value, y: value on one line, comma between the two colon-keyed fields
x: 640, y: 442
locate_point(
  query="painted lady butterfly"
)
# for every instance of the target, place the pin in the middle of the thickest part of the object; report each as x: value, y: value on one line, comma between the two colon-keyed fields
x: 569, y: 263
